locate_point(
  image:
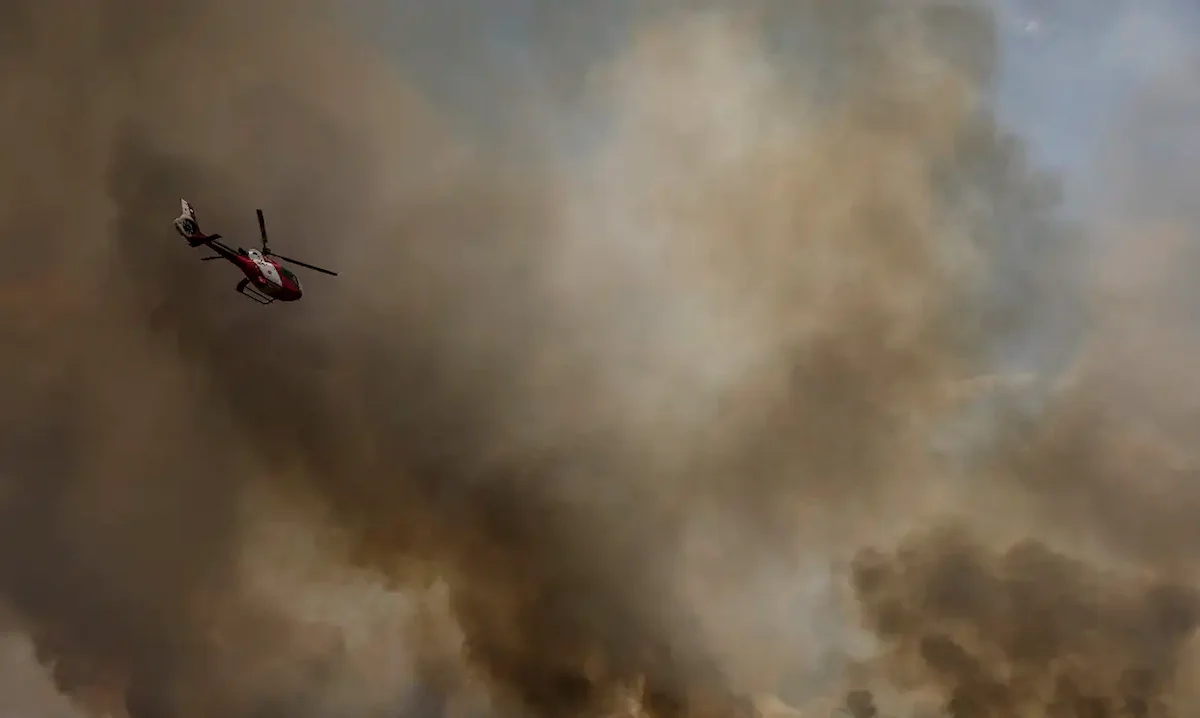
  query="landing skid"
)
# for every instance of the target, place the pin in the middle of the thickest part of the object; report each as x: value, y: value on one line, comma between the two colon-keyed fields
x: 244, y: 289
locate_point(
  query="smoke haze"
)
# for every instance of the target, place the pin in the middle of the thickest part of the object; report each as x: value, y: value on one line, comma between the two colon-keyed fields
x: 653, y: 367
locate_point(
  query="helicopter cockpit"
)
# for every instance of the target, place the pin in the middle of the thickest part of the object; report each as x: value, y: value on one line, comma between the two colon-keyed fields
x: 287, y: 274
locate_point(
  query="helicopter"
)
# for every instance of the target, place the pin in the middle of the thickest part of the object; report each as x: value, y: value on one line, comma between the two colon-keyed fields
x: 267, y: 280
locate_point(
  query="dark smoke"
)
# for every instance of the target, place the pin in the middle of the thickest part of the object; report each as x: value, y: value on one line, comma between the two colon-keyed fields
x: 1024, y: 631
x: 149, y: 403
x: 542, y: 374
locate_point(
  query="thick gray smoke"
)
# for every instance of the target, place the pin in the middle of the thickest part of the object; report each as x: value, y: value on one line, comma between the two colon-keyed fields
x: 568, y: 399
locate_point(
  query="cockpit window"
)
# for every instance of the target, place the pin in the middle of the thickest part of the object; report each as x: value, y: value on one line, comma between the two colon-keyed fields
x: 288, y: 275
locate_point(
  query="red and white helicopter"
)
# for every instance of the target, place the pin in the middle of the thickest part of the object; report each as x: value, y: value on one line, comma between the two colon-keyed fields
x: 266, y: 279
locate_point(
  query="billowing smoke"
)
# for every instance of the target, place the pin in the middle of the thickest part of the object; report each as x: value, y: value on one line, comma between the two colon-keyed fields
x: 1025, y: 631
x: 677, y: 312
x: 1068, y: 588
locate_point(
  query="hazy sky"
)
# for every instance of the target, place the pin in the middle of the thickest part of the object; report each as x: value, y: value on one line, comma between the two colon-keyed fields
x: 1067, y: 66
x: 1070, y: 67
x: 1069, y: 80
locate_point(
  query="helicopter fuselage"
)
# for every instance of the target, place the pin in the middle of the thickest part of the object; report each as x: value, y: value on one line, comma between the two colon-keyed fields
x: 269, y: 277
x: 262, y: 273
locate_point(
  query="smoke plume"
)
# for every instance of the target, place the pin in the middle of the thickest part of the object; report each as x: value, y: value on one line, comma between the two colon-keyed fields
x: 627, y: 346
x: 1026, y: 631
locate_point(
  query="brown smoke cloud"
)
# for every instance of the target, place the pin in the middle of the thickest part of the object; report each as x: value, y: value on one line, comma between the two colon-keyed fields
x: 567, y: 411
x: 1072, y: 590
x: 1026, y: 631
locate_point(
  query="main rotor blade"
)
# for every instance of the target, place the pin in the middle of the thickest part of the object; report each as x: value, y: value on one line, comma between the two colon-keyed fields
x: 262, y: 227
x: 305, y: 264
x: 209, y: 259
